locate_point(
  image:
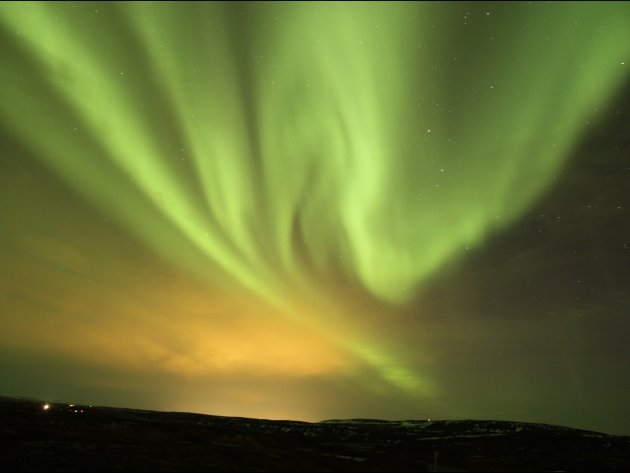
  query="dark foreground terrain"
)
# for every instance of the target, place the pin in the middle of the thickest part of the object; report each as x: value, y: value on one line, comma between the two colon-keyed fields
x: 83, y: 438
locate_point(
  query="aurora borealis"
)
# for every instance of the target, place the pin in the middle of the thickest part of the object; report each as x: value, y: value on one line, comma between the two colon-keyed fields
x: 317, y: 210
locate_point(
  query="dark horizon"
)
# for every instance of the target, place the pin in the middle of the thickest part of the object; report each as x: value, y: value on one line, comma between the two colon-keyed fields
x: 66, y: 406
x: 66, y: 437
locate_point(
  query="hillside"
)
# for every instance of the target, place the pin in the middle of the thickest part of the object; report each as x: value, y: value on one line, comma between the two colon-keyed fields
x: 84, y: 438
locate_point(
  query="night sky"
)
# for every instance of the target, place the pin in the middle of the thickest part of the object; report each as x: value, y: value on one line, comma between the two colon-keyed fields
x: 318, y: 210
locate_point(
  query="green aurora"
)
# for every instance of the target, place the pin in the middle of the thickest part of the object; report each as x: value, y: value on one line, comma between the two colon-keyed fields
x: 324, y: 162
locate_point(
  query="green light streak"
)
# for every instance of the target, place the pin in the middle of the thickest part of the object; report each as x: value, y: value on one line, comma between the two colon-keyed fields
x: 261, y: 145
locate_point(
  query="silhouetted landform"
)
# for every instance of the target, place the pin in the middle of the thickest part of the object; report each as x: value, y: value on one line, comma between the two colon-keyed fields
x: 83, y: 438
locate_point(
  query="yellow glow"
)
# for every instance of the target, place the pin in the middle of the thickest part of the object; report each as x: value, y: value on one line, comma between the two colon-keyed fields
x: 182, y: 329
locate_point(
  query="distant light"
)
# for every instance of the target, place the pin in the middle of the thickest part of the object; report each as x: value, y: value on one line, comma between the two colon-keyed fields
x: 71, y: 405
x: 428, y: 420
x: 46, y: 406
